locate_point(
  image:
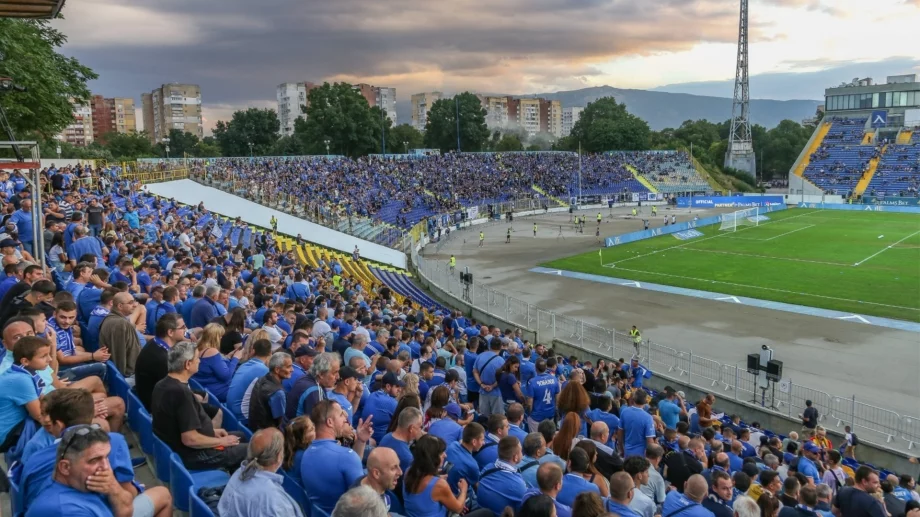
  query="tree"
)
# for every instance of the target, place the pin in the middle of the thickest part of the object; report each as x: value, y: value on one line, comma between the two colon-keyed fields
x: 258, y: 127
x: 288, y: 146
x: 340, y: 115
x: 405, y: 137
x: 441, y: 129
x: 28, y: 56
x: 509, y: 143
x: 180, y: 144
x: 780, y: 148
x: 605, y: 125
x: 128, y: 146
x: 207, y: 148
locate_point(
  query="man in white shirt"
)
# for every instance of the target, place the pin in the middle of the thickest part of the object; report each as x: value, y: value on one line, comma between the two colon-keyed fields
x: 320, y: 327
x: 275, y: 334
x: 184, y: 241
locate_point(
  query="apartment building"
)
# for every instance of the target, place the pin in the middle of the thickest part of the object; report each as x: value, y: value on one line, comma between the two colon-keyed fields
x: 570, y: 116
x: 112, y: 115
x: 172, y: 106
x: 293, y: 99
x: 497, y: 115
x: 421, y: 103
x: 528, y: 115
x: 385, y: 98
x: 80, y: 131
x: 534, y: 115
x: 551, y: 117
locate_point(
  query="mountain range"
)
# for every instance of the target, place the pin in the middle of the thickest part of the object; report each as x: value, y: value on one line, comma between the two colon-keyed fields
x: 665, y: 109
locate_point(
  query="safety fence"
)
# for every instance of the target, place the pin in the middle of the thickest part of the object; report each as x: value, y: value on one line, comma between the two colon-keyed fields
x: 873, y: 424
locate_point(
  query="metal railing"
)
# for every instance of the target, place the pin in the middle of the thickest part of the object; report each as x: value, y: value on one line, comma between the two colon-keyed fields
x: 873, y: 424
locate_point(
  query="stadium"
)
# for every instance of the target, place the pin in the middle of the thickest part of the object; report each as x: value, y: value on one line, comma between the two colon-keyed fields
x: 312, y: 334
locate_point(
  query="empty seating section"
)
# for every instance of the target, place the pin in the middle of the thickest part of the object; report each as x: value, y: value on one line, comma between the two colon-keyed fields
x: 667, y: 171
x: 840, y: 162
x: 898, y: 172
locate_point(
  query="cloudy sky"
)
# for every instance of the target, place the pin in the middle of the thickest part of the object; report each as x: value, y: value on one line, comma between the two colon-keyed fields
x: 239, y: 50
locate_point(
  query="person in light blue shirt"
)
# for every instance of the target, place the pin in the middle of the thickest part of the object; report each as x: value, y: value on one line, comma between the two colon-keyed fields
x: 328, y: 469
x: 447, y: 428
x: 688, y: 503
x: 497, y: 427
x: 574, y: 483
x: 486, y: 371
x: 21, y: 386
x: 408, y: 429
x: 255, y: 488
x: 806, y: 466
x: 637, y: 427
x: 622, y: 490
x: 246, y: 374
x: 500, y: 484
x: 532, y: 448
x: 22, y: 218
x: 541, y: 392
x: 515, y: 415
x: 671, y: 408
x: 460, y: 456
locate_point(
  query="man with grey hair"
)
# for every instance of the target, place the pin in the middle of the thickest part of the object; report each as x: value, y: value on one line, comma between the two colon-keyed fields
x: 825, y: 496
x: 268, y: 399
x: 119, y: 335
x: 358, y: 344
x: 360, y: 501
x: 181, y: 421
x: 744, y: 506
x: 205, y: 309
x: 408, y: 429
x: 255, y: 489
x: 311, y: 388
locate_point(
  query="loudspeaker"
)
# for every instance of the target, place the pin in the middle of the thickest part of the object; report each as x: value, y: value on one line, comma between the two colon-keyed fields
x: 753, y: 364
x: 774, y: 370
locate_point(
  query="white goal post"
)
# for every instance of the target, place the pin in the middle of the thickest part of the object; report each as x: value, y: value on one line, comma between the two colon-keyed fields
x: 746, y: 217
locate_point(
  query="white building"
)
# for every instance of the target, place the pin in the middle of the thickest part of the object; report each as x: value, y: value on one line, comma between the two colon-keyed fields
x: 386, y: 100
x: 421, y: 103
x: 570, y: 116
x: 291, y: 97
x: 80, y: 131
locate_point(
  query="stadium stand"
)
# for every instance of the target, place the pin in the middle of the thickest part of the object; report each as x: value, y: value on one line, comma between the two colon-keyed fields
x: 898, y: 172
x: 841, y: 160
x: 253, y: 270
x: 667, y: 171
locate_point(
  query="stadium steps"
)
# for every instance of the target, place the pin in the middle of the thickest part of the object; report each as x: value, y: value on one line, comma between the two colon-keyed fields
x: 815, y: 144
x: 867, y: 177
x: 641, y: 179
x: 868, y: 138
x: 904, y: 136
x: 543, y: 193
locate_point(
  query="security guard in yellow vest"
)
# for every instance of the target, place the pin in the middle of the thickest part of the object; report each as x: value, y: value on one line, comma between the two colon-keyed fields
x: 599, y: 218
x: 453, y: 263
x: 636, y: 337
x: 274, y: 223
x: 337, y: 282
x: 534, y: 229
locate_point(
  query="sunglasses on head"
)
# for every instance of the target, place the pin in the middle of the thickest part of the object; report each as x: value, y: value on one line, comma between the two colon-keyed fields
x: 73, y: 432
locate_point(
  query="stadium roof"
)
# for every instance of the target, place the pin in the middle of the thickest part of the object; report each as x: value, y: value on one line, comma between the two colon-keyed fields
x: 41, y: 9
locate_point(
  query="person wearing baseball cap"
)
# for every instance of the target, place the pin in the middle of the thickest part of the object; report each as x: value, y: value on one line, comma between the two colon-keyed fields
x: 807, y: 465
x: 348, y: 389
x: 447, y: 428
x: 303, y: 360
x: 381, y: 404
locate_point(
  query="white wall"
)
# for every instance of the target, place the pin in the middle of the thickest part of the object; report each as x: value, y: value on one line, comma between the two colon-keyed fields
x: 191, y: 193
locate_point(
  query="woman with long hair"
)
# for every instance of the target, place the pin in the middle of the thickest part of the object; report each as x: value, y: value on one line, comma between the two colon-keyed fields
x: 439, y: 398
x: 411, y: 387
x: 593, y: 475
x: 298, y: 435
x: 425, y: 493
x: 566, y: 437
x: 573, y: 399
x: 410, y: 400
x: 769, y: 505
x: 509, y: 381
x: 215, y: 371
x: 588, y: 504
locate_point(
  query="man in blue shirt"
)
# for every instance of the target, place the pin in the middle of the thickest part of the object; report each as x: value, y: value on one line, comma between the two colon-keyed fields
x: 549, y: 483
x: 671, y: 408
x: 469, y: 361
x: 381, y: 405
x: 408, y: 429
x: 515, y: 416
x: 485, y: 370
x: 23, y: 220
x: 21, y: 387
x: 541, y: 393
x: 83, y: 244
x: 720, y: 495
x: 637, y: 427
x: 688, y: 503
x: 327, y: 469
x: 528, y: 369
x: 622, y: 490
x: 807, y: 466
x: 460, y: 455
x: 205, y: 309
x: 246, y: 374
x: 500, y: 484
x: 498, y: 427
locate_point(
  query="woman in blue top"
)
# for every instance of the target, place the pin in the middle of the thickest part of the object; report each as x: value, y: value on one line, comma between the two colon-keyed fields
x: 216, y: 371
x: 298, y: 435
x: 509, y: 381
x: 425, y: 493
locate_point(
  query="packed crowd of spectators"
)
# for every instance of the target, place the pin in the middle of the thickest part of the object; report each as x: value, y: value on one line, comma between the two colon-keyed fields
x: 371, y: 405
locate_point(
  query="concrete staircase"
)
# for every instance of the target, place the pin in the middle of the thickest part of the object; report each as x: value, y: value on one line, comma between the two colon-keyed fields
x: 815, y: 144
x: 642, y: 180
x: 904, y: 137
x: 867, y: 177
x: 542, y: 192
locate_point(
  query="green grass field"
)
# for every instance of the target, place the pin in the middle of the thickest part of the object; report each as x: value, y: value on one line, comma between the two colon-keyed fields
x: 860, y: 262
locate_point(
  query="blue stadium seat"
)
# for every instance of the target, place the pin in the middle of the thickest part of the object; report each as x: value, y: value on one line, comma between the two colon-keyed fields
x: 197, y: 506
x: 183, y: 480
x: 140, y: 422
x: 118, y: 386
x: 16, y: 501
x: 297, y: 493
x: 161, y: 454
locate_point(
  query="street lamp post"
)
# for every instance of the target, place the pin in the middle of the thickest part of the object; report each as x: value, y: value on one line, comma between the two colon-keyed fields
x: 327, y: 146
x: 59, y: 151
x: 166, y: 145
x: 250, y: 150
x: 406, y: 146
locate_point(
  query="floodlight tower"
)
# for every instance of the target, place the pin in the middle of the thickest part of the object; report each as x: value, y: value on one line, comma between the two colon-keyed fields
x: 740, y: 153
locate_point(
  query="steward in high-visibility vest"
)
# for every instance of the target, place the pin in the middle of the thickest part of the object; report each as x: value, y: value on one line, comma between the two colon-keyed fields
x: 453, y: 262
x: 636, y: 336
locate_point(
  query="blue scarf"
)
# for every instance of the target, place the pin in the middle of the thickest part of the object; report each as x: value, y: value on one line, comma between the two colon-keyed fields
x: 36, y: 379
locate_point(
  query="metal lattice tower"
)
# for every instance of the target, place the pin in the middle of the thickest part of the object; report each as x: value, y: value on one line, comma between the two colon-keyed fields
x: 740, y: 154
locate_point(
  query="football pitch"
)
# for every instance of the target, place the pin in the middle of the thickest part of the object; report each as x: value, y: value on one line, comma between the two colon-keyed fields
x: 851, y: 261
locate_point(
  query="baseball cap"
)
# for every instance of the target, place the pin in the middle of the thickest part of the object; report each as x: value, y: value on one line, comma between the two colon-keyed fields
x: 454, y: 411
x: 347, y: 372
x: 811, y: 447
x: 8, y: 243
x: 306, y: 350
x: 389, y: 378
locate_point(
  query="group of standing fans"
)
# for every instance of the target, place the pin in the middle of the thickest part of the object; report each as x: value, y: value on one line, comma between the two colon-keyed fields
x: 370, y: 404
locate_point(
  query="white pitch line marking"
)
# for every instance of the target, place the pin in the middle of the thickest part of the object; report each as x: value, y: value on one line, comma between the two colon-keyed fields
x: 787, y: 233
x: 886, y: 248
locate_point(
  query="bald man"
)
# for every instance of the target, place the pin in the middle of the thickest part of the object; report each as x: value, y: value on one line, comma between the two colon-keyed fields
x: 608, y: 460
x: 688, y: 504
x: 119, y: 335
x: 255, y: 488
x: 383, y: 472
x: 622, y: 490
